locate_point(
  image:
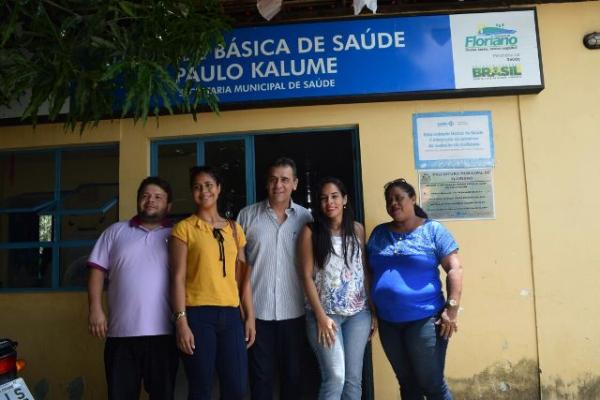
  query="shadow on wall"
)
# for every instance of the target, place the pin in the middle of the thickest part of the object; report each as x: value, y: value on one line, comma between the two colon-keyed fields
x: 73, y: 391
x: 76, y: 389
x: 311, y: 380
x: 40, y: 391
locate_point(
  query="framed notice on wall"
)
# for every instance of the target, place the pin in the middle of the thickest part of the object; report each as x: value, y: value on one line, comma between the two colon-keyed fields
x: 457, y: 194
x: 453, y: 140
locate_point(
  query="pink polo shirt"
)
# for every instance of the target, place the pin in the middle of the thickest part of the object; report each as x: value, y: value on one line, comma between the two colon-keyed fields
x: 136, y: 262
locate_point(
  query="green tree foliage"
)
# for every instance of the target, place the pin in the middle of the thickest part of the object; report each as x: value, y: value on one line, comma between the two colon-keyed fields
x: 84, y: 52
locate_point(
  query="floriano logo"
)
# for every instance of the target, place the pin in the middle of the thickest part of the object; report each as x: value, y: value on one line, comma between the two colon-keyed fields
x: 491, y: 37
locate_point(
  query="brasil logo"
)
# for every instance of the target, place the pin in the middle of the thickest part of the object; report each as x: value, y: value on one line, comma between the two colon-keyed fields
x: 491, y: 37
x: 497, y: 71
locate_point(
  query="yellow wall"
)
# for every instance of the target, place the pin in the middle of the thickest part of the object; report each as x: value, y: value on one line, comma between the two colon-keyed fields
x: 561, y: 129
x: 530, y: 274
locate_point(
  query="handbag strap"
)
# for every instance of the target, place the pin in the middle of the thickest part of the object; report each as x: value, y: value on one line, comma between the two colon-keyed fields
x: 235, y: 236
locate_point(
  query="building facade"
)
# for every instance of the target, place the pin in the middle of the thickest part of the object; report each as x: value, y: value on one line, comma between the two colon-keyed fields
x: 529, y: 327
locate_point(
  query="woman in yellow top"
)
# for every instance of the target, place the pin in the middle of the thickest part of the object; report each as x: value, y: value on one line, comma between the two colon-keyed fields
x: 206, y: 297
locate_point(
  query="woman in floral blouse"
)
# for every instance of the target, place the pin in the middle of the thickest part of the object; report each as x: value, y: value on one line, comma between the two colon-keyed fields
x: 338, y: 320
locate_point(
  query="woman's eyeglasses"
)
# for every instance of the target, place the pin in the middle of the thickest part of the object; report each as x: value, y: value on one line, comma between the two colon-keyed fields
x: 392, y: 183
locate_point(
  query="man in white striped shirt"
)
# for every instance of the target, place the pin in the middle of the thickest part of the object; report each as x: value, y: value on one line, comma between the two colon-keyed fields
x: 271, y: 228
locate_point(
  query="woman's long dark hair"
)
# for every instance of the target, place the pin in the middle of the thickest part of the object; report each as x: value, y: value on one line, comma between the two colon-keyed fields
x: 321, y: 229
x: 409, y: 189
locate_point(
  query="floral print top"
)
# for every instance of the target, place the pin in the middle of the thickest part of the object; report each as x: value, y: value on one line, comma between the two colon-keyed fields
x: 341, y: 287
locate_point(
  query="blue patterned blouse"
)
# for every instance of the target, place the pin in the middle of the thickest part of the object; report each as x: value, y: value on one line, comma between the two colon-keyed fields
x: 341, y: 287
x: 406, y: 279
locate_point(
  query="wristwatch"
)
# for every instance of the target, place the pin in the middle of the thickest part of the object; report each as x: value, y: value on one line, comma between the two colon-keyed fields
x: 451, y: 303
x: 176, y: 316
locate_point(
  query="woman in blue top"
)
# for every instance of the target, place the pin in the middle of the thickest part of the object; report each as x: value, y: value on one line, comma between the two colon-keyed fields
x: 338, y: 321
x: 415, y: 321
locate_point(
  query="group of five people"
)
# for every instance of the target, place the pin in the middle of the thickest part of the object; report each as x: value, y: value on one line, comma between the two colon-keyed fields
x: 244, y: 296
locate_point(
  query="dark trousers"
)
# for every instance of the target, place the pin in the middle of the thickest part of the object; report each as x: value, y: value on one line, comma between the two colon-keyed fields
x: 129, y: 361
x: 220, y: 343
x: 279, y: 346
x: 417, y: 353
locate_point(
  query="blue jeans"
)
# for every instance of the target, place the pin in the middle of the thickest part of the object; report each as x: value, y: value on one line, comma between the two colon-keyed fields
x: 417, y: 354
x: 219, y: 338
x: 341, y: 365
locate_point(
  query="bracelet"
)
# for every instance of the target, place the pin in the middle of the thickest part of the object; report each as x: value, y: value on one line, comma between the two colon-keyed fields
x: 177, y: 316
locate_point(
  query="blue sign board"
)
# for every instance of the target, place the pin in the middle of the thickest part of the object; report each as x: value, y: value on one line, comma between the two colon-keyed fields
x: 372, y: 57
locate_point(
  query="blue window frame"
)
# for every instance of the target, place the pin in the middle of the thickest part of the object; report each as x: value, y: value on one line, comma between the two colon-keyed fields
x: 55, y: 203
x: 318, y: 152
x: 231, y: 155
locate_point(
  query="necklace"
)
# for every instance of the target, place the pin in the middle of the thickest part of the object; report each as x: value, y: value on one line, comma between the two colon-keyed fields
x: 217, y: 224
x: 396, y: 239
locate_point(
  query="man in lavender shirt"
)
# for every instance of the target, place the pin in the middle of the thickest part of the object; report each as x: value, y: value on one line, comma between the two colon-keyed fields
x: 139, y: 335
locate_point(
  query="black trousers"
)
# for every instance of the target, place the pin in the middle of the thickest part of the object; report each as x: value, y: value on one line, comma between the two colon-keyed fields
x: 280, y: 346
x: 129, y: 361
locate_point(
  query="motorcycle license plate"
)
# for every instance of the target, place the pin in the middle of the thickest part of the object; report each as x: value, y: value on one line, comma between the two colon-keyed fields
x: 15, y: 390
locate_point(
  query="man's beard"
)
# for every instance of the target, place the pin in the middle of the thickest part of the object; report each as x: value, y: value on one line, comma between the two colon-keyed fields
x: 152, y: 219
